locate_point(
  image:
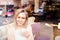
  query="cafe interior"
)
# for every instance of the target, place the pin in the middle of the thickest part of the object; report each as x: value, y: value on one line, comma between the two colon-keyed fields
x: 46, y: 13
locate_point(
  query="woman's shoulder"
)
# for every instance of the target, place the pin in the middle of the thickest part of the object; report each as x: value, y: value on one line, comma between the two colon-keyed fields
x: 29, y: 28
x: 9, y: 25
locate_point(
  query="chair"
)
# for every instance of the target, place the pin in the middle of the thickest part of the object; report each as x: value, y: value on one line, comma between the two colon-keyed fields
x: 41, y: 32
x: 42, y: 38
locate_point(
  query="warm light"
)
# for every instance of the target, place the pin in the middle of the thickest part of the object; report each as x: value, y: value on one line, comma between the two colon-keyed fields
x: 58, y: 25
x: 47, y: 24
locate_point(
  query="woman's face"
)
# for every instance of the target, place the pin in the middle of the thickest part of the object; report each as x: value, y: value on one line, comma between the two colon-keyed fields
x: 21, y: 19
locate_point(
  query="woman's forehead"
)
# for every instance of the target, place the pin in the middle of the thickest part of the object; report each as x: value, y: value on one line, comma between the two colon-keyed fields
x: 22, y: 14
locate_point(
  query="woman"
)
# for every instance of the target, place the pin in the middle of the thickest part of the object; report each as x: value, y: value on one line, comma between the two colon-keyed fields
x: 20, y: 29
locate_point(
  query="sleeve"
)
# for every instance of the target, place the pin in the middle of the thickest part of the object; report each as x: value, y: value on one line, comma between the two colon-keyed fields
x: 31, y: 37
x: 9, y: 32
x: 10, y: 35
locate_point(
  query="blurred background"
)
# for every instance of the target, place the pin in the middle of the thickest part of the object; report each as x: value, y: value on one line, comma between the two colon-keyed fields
x: 46, y: 12
x: 44, y: 9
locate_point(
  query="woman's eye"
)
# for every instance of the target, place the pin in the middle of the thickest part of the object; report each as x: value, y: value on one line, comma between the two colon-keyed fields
x: 23, y: 18
x: 18, y: 17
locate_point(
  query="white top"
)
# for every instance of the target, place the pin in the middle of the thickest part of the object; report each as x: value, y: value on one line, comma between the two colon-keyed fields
x: 12, y: 34
x: 17, y: 34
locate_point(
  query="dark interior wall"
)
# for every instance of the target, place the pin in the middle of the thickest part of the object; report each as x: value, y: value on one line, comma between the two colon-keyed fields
x: 56, y: 0
x: 58, y: 13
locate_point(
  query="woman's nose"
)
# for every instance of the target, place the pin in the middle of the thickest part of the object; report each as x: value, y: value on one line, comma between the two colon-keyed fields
x: 20, y: 19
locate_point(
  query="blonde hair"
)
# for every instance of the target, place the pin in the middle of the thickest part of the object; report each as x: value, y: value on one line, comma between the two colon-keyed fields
x: 18, y: 11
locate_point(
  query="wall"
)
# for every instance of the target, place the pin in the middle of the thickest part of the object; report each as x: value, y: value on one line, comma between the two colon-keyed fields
x: 3, y: 2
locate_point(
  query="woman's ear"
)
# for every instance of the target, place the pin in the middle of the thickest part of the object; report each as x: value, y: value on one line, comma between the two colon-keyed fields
x: 31, y: 20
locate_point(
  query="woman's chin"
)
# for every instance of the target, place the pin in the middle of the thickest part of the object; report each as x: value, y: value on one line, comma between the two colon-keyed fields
x: 20, y: 24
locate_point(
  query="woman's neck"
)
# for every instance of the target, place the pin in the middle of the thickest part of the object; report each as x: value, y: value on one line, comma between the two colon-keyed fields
x: 20, y: 26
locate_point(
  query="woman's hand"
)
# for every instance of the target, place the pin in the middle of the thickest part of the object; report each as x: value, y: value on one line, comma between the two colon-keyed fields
x: 26, y: 34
